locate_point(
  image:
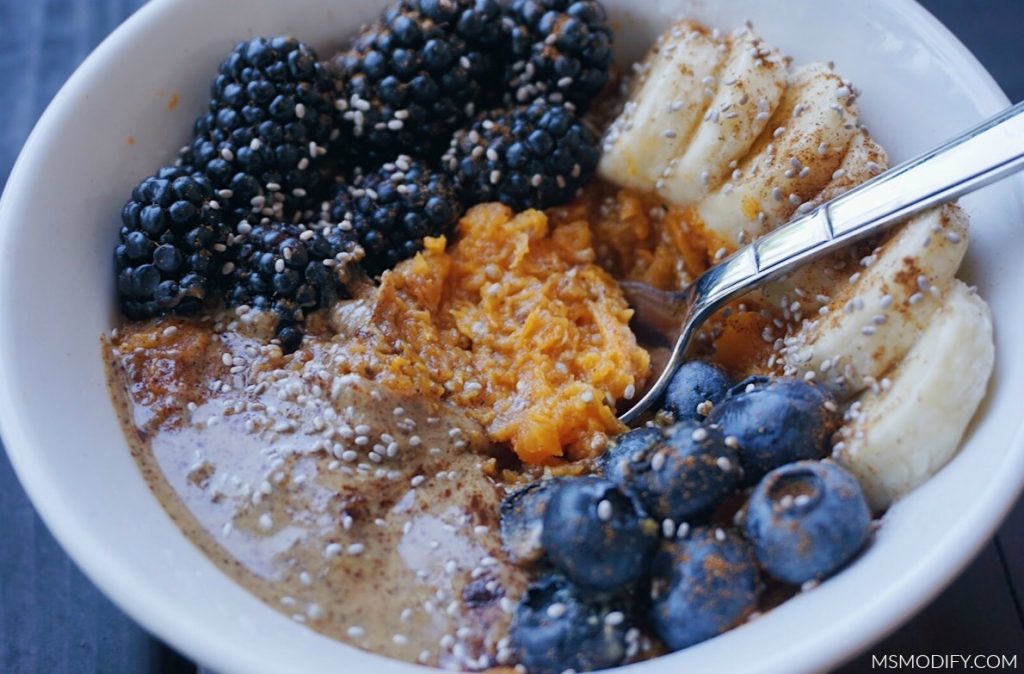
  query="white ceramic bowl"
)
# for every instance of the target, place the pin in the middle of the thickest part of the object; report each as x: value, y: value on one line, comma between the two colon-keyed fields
x: 113, y: 123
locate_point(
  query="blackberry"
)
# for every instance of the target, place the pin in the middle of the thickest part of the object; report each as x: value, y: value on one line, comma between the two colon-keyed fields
x: 289, y: 270
x: 559, y: 49
x: 270, y: 121
x: 418, y: 74
x: 532, y: 156
x: 171, y: 242
x: 390, y: 210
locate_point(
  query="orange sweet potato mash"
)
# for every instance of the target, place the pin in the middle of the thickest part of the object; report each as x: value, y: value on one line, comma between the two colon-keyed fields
x: 520, y: 320
x: 516, y: 322
x: 638, y: 238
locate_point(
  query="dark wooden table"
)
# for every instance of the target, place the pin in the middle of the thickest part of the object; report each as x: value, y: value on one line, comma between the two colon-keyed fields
x: 52, y: 619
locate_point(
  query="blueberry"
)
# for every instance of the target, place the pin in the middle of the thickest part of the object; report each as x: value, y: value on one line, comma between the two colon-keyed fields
x: 597, y: 535
x: 614, y: 462
x: 522, y: 520
x: 807, y: 519
x: 751, y: 383
x: 683, y: 477
x: 695, y: 383
x: 702, y: 586
x: 775, y: 423
x: 558, y: 627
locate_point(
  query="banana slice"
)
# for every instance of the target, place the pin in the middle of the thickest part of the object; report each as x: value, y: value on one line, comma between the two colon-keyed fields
x: 864, y: 160
x: 898, y: 437
x: 874, y: 320
x: 718, y: 127
x: 802, y: 147
x: 750, y: 84
x: 804, y: 292
x: 667, y: 103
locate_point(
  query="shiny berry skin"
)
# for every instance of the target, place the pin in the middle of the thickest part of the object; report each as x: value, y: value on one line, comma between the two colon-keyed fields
x: 560, y: 50
x: 634, y: 443
x: 389, y: 211
x: 776, y: 422
x: 281, y: 268
x: 695, y: 383
x: 417, y: 74
x: 522, y: 520
x: 171, y: 244
x: 597, y: 535
x: 263, y: 141
x: 807, y: 519
x: 532, y: 156
x: 558, y: 626
x: 701, y: 586
x: 683, y: 477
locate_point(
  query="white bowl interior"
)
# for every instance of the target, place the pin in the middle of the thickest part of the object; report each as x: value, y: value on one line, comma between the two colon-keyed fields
x: 115, y: 122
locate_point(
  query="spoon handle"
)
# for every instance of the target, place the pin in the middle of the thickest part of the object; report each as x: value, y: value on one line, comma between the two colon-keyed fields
x: 981, y: 155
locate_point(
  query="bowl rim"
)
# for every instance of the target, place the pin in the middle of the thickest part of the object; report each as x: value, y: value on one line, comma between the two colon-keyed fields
x: 105, y: 568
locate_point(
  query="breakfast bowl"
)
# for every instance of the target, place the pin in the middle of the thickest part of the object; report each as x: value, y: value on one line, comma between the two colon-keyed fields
x: 131, y: 104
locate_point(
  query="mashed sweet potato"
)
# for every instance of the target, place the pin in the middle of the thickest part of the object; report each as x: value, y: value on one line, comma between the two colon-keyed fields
x: 636, y: 237
x: 516, y: 322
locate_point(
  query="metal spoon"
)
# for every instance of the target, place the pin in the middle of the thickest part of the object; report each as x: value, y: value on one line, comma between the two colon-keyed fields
x: 668, y: 320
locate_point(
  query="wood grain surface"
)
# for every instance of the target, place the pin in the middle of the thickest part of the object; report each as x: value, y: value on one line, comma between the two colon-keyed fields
x: 52, y: 619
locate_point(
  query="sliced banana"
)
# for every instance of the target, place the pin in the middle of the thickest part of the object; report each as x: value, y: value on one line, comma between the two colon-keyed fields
x: 804, y: 292
x: 898, y: 437
x: 750, y: 85
x: 667, y: 103
x: 719, y: 127
x: 864, y: 160
x: 874, y: 320
x: 803, y: 145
